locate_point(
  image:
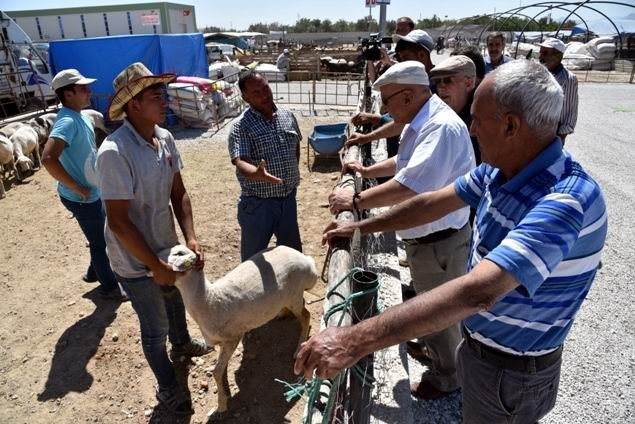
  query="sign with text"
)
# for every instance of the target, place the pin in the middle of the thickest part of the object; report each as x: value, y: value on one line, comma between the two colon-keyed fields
x: 373, y: 3
x: 150, y: 18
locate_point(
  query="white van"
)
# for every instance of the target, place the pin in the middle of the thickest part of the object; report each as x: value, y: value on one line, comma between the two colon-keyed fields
x: 25, y: 76
x: 216, y: 51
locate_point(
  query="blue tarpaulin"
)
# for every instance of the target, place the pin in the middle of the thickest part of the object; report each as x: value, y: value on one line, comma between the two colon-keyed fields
x: 104, y: 57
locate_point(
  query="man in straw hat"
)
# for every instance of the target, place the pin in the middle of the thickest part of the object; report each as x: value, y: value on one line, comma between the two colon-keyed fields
x: 140, y: 176
x: 435, y: 149
x: 69, y: 156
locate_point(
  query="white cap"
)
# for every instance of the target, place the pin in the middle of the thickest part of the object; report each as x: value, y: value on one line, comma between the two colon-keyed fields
x: 69, y: 77
x: 553, y: 43
x: 285, y: 51
x: 416, y: 36
x: 409, y: 72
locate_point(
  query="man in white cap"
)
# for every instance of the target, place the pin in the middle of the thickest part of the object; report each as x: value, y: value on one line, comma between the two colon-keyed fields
x: 69, y: 156
x: 140, y: 180
x: 416, y: 45
x: 435, y: 149
x: 551, y: 53
x: 283, y: 62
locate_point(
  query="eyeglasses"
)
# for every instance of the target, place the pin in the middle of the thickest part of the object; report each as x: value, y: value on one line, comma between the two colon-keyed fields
x: 387, y: 99
x: 444, y: 80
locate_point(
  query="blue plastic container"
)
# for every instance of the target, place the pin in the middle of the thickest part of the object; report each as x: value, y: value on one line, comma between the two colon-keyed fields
x: 328, y: 139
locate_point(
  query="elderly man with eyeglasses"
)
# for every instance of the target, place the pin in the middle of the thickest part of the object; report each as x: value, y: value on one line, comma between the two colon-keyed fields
x: 435, y: 149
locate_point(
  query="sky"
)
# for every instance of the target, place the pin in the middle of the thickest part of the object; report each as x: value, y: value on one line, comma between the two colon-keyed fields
x: 238, y: 14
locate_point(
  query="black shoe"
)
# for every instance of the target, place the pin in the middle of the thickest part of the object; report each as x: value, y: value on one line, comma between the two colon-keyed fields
x: 114, y: 294
x: 176, y: 400
x: 89, y: 278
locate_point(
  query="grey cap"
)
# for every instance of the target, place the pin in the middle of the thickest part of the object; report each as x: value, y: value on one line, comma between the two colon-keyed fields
x: 69, y: 77
x: 454, y: 65
x: 409, y: 72
x: 416, y: 36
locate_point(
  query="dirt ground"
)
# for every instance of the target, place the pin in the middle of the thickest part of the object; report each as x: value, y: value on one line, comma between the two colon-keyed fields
x: 68, y: 356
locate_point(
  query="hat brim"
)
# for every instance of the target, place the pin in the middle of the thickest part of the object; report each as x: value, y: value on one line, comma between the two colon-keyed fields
x: 397, y: 38
x: 441, y: 74
x: 550, y: 47
x: 134, y: 87
x: 85, y: 81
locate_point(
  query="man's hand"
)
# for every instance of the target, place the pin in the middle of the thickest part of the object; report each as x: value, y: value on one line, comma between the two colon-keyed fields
x: 195, y: 247
x: 263, y: 175
x: 327, y: 353
x: 358, y: 138
x: 365, y: 118
x: 354, y: 166
x: 163, y: 274
x: 83, y: 192
x: 335, y: 229
x: 340, y: 200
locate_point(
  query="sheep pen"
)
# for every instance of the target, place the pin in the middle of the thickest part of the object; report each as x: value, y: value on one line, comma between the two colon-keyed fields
x: 67, y: 356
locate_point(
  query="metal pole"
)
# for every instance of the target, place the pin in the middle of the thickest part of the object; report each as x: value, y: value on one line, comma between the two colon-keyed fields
x: 382, y: 20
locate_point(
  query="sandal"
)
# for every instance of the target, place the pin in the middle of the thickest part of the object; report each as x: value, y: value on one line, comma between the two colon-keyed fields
x: 175, y: 400
x: 194, y: 347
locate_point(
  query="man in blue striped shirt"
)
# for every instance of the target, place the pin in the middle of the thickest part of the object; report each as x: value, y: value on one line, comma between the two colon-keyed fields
x: 539, y: 231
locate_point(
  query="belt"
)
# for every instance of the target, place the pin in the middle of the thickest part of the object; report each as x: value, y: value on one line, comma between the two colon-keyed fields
x: 432, y: 238
x: 495, y: 357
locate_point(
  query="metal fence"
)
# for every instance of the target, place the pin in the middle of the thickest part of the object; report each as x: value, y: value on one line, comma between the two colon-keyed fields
x: 325, y: 88
x: 623, y: 71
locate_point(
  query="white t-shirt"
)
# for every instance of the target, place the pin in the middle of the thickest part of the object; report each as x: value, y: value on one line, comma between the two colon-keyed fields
x: 435, y: 149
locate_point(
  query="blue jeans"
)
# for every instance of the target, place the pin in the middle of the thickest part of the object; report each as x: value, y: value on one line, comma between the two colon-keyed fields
x: 261, y: 218
x: 161, y: 313
x: 90, y: 217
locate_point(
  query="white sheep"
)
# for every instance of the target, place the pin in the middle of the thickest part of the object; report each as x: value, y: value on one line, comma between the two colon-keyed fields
x: 43, y: 125
x: 97, y: 119
x: 6, y: 161
x: 25, y: 143
x: 246, y: 298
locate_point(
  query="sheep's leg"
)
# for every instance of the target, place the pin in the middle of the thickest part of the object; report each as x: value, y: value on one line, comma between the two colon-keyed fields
x: 220, y: 372
x: 2, y: 193
x: 304, y: 316
x: 38, y: 159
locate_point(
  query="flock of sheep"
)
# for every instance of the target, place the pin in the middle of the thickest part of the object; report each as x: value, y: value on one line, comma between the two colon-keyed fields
x: 22, y: 142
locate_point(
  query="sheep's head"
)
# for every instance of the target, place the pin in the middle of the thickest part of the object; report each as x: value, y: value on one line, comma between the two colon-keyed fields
x: 181, y: 258
x: 24, y: 163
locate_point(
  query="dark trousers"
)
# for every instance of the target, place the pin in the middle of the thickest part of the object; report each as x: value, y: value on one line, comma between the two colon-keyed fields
x: 90, y: 217
x: 493, y: 395
x: 261, y: 218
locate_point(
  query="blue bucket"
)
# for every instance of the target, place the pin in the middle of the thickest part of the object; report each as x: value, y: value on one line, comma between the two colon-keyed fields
x: 328, y: 139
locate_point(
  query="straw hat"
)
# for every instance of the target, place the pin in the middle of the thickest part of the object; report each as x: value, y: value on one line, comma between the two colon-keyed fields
x: 130, y: 82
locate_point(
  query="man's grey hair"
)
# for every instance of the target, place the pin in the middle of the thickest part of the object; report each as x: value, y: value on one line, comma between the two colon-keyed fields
x: 527, y: 88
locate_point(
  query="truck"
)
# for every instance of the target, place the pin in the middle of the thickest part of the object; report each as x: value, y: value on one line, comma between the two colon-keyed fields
x: 25, y: 75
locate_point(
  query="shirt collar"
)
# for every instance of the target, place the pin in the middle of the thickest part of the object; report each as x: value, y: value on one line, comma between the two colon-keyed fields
x: 261, y: 116
x: 544, y: 160
x: 137, y: 137
x: 424, y: 114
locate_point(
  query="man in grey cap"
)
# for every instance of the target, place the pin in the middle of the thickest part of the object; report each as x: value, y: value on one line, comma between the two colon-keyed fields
x: 551, y: 53
x: 435, y: 149
x: 283, y: 62
x: 455, y: 79
x: 69, y: 156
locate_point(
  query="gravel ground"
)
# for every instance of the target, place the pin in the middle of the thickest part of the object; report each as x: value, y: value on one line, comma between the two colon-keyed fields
x: 597, y: 383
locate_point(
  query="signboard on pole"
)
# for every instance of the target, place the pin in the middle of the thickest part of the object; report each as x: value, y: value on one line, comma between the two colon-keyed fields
x: 373, y: 3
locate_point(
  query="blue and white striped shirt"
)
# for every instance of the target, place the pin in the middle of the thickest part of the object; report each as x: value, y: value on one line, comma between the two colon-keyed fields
x: 547, y: 227
x: 253, y: 137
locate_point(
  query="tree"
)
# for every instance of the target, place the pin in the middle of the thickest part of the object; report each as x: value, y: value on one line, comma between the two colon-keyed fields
x: 341, y: 26
x: 327, y: 25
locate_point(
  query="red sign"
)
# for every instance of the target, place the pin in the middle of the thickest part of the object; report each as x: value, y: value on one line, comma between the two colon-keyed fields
x: 186, y: 12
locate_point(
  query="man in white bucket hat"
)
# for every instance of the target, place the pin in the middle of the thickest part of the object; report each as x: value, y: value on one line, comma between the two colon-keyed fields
x: 140, y: 176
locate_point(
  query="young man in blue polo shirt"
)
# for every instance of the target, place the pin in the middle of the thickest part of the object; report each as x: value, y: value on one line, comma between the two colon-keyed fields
x: 69, y: 156
x: 539, y: 232
x: 264, y: 145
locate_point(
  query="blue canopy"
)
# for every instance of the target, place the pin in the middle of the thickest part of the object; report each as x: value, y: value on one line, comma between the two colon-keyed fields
x: 104, y: 57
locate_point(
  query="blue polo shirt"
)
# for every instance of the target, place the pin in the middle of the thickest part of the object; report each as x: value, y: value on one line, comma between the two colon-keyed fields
x: 79, y: 155
x: 547, y: 227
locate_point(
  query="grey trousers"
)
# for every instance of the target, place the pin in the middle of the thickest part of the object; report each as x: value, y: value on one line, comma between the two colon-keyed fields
x: 493, y: 395
x: 431, y: 265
